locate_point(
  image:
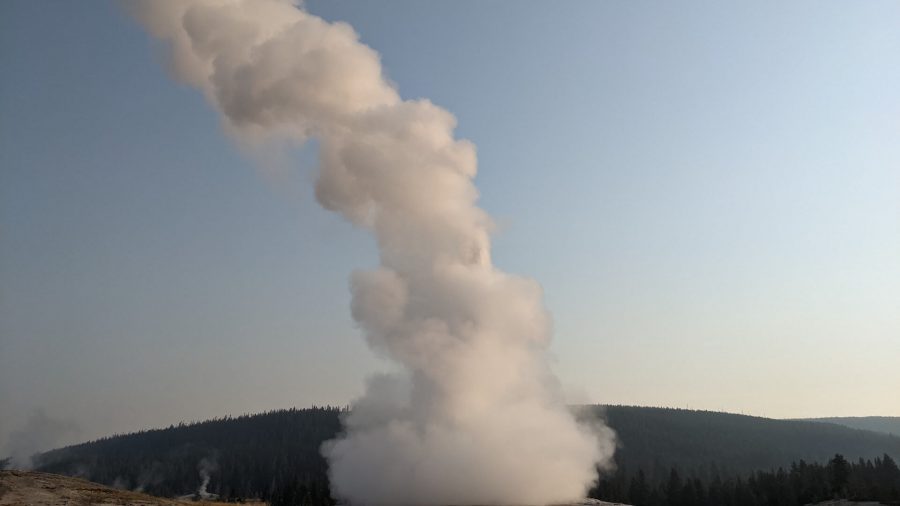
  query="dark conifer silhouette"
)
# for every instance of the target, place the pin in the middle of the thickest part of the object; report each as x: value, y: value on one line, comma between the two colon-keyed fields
x: 667, y: 457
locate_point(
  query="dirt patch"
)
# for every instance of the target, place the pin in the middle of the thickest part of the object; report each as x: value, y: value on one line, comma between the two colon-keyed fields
x: 44, y: 489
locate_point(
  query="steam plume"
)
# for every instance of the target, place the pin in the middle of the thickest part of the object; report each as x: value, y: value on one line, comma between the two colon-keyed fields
x: 206, y: 467
x: 41, y: 432
x: 477, y: 417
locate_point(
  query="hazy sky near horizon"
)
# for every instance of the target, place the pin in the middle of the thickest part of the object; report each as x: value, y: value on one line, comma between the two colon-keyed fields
x: 709, y: 194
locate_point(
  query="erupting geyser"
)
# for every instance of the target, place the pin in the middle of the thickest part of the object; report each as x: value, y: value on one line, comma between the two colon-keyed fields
x: 477, y: 417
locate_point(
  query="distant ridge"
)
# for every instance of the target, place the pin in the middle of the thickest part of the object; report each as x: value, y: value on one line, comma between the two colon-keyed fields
x: 885, y: 424
x: 704, y: 443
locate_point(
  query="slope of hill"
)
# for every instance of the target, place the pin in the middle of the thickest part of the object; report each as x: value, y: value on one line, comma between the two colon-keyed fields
x: 886, y: 424
x: 275, y: 455
x: 705, y: 443
x: 44, y: 489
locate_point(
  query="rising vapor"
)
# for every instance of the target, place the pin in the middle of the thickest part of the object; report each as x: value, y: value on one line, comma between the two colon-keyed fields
x: 40, y: 432
x: 477, y: 417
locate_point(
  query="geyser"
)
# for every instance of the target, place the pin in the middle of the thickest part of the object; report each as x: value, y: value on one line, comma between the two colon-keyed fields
x: 477, y: 417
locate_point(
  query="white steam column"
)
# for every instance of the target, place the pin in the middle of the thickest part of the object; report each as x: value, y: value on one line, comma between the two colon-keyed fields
x: 478, y: 418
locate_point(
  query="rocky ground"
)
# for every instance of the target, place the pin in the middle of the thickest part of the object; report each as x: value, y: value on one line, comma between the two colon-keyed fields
x: 28, y: 488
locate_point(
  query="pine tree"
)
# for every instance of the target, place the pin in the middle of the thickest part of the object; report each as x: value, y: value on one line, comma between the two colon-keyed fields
x: 838, y: 475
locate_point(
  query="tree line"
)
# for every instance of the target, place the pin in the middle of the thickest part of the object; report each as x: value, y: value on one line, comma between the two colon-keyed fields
x: 802, y: 483
x: 667, y: 456
x: 270, y: 456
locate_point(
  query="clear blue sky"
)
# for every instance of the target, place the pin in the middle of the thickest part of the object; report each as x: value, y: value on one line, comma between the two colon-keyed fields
x: 709, y: 193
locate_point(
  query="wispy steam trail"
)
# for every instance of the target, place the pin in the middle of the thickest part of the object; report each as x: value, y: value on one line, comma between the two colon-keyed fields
x: 478, y: 417
x: 41, y: 432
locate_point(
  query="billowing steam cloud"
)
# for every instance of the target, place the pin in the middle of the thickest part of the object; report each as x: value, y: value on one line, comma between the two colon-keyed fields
x: 478, y: 417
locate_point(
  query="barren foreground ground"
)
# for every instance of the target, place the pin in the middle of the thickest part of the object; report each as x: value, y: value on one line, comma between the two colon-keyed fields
x: 29, y: 488
x: 42, y: 489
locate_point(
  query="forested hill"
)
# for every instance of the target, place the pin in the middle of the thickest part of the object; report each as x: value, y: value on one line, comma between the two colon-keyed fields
x: 886, y: 424
x: 705, y: 442
x: 276, y: 454
x: 250, y: 456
